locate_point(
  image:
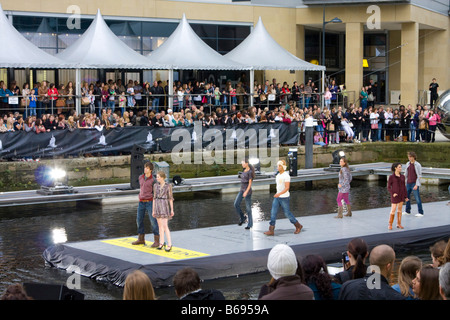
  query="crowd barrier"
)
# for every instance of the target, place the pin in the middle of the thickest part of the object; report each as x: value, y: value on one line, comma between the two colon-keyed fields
x: 21, y: 144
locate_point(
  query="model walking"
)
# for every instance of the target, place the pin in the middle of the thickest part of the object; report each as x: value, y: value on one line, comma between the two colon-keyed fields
x: 413, y: 174
x: 163, y: 209
x: 345, y: 177
x: 245, y: 192
x: 397, y: 188
x: 282, y: 198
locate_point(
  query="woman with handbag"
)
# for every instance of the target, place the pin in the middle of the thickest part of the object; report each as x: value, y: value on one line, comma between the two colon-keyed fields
x: 373, y: 123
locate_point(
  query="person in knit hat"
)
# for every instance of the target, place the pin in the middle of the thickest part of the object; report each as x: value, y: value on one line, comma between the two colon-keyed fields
x: 286, y: 283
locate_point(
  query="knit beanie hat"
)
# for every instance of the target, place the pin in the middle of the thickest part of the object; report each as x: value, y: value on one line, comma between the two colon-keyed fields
x: 282, y: 261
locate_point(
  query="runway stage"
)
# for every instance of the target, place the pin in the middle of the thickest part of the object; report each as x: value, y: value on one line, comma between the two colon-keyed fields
x: 230, y: 250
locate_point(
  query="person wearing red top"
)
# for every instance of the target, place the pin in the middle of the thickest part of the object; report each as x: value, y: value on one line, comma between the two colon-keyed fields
x: 146, y: 183
x: 397, y: 188
x: 53, y: 94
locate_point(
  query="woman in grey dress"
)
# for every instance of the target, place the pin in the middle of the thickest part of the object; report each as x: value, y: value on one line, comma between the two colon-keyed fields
x: 163, y: 209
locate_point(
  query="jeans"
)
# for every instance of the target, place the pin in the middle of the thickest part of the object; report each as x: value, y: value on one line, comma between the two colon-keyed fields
x: 142, y: 207
x: 409, y: 189
x: 248, y: 207
x: 155, y: 104
x: 380, y: 127
x: 284, y: 203
x: 111, y: 105
x: 412, y: 129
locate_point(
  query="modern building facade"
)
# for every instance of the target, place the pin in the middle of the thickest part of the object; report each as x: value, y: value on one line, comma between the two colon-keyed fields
x: 403, y: 43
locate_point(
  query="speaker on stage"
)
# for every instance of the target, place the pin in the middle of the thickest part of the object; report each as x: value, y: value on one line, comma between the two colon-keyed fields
x: 40, y: 291
x: 292, y: 160
x: 137, y: 165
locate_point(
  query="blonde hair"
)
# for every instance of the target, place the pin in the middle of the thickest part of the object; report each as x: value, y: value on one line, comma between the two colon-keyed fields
x: 283, y: 164
x: 138, y: 287
x: 162, y: 174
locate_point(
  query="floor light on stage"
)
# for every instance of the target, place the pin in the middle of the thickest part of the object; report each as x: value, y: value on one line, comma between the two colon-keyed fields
x: 256, y: 164
x: 53, y: 180
x: 335, y: 166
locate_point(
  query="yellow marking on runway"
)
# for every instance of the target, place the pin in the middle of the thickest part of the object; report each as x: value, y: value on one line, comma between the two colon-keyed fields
x: 175, y: 253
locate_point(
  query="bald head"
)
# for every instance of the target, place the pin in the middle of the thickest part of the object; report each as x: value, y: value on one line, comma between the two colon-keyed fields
x: 382, y: 256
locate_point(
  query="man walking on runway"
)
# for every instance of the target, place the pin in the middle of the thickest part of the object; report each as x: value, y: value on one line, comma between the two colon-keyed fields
x: 146, y: 182
x: 413, y: 173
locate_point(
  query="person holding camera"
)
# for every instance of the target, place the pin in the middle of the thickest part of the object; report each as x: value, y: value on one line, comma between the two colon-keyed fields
x: 354, y: 261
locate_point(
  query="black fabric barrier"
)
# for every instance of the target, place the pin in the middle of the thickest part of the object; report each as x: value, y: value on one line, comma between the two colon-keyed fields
x: 21, y: 144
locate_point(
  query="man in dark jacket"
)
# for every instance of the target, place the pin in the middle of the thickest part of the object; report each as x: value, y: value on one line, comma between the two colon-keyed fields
x: 187, y: 287
x: 374, y: 286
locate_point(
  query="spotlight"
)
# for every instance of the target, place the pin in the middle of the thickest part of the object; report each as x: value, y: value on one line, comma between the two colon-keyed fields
x: 57, y: 174
x: 52, y: 181
x: 335, y: 166
x: 256, y: 164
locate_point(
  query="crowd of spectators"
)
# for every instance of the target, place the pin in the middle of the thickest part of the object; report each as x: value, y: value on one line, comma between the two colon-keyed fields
x: 113, y: 104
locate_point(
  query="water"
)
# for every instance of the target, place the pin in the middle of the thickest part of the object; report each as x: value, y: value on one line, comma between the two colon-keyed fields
x: 26, y: 231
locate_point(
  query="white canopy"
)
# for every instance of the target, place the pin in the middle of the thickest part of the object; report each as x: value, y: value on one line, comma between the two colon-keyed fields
x: 99, y: 48
x: 184, y: 50
x: 18, y: 52
x: 262, y: 52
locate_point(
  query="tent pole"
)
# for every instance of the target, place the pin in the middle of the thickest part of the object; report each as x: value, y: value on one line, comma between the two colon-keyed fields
x: 78, y: 91
x: 252, y: 86
x: 170, y: 85
x: 323, y: 90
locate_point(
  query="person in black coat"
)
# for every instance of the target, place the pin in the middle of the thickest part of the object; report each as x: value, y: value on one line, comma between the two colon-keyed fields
x: 374, y: 286
x: 187, y: 287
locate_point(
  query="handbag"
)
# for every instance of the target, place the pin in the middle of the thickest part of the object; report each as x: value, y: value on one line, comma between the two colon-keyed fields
x: 85, y: 101
x: 60, y: 102
x: 331, y: 126
x: 374, y: 125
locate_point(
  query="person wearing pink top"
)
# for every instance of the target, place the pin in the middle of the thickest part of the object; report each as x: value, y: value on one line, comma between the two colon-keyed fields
x: 433, y: 119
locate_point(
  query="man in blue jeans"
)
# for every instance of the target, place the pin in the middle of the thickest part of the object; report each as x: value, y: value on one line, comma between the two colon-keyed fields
x: 413, y: 173
x: 281, y: 198
x: 146, y: 182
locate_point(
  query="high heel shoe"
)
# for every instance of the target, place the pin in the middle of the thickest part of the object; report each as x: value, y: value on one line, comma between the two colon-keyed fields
x: 161, y: 246
x: 170, y: 248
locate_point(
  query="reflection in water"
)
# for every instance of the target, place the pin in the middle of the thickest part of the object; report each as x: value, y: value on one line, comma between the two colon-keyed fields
x: 25, y: 232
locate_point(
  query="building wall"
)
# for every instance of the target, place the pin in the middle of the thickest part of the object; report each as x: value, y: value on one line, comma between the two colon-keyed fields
x: 286, y: 26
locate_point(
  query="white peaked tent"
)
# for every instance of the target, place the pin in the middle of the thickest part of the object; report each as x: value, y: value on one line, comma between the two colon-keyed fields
x: 262, y: 52
x: 184, y: 50
x: 18, y: 52
x: 100, y: 48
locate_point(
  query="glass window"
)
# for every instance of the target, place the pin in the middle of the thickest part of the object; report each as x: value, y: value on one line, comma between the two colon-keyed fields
x: 53, y: 35
x: 205, y: 30
x: 233, y: 32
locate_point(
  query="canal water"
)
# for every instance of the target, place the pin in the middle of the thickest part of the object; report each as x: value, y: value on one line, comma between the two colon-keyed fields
x: 26, y: 231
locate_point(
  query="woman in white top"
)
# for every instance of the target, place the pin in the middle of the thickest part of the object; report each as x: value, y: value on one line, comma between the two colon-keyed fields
x: 281, y: 198
x: 374, y: 123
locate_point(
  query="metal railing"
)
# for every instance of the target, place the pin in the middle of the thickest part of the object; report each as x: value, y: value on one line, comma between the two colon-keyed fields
x: 39, y: 104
